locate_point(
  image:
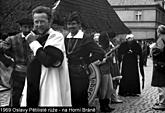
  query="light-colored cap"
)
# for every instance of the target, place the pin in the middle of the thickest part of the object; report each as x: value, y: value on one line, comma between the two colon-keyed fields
x: 96, y: 36
x: 129, y: 36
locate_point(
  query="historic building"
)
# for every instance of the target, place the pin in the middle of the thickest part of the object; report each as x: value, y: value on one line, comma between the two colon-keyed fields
x: 141, y: 16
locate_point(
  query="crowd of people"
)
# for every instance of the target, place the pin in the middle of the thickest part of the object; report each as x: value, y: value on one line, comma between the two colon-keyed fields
x: 52, y: 69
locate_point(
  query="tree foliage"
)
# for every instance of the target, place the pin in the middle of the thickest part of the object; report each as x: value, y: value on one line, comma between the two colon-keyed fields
x: 13, y: 10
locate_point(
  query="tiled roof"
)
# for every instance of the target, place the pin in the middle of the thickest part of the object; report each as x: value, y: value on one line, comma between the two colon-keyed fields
x: 131, y: 2
x: 96, y: 14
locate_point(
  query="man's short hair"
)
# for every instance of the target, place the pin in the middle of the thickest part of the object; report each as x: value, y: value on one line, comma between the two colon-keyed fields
x: 43, y: 9
x: 74, y: 16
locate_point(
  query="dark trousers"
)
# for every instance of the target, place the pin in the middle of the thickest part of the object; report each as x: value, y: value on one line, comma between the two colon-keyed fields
x: 17, y: 85
x: 79, y: 90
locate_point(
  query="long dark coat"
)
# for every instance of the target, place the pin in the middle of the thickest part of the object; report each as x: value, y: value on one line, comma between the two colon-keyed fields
x: 130, y: 82
x: 158, y: 53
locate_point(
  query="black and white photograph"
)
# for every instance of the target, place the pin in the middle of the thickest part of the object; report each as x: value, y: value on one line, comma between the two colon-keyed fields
x: 95, y: 56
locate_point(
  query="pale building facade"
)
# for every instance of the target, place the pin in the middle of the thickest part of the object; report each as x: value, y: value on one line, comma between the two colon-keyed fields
x: 142, y: 18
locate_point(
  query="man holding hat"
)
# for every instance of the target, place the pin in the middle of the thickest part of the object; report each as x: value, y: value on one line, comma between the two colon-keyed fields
x: 17, y: 48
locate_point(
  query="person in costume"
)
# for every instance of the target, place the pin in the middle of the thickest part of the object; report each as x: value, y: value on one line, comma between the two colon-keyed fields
x: 158, y: 75
x: 81, y: 51
x: 106, y: 86
x: 48, y: 81
x: 16, y: 47
x: 130, y: 54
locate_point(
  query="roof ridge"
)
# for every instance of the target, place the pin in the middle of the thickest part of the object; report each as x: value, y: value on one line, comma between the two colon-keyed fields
x: 132, y: 2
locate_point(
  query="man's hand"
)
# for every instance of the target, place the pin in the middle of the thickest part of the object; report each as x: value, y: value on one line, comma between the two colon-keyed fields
x: 4, y: 45
x: 31, y: 37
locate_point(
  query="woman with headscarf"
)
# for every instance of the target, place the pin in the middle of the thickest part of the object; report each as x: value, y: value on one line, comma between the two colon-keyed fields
x: 130, y: 54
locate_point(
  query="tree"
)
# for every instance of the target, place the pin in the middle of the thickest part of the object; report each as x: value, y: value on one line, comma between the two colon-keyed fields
x: 13, y: 10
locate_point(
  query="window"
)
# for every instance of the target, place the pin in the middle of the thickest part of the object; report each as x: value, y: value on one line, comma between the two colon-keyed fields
x: 138, y: 15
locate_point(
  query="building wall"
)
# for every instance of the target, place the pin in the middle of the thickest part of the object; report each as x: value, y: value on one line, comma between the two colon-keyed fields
x: 125, y: 15
x: 160, y: 16
x: 129, y: 14
x: 144, y: 33
x: 145, y: 28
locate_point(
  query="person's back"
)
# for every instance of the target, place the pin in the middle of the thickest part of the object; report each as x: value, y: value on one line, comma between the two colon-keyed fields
x: 106, y: 86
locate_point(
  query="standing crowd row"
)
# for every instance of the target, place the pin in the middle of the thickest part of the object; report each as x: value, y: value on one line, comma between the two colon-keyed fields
x: 51, y: 69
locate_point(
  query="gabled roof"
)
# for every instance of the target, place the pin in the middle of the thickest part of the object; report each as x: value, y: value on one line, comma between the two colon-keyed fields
x: 95, y: 14
x: 132, y: 2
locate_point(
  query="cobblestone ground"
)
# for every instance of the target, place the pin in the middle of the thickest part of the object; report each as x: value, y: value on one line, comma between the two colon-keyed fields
x: 141, y: 104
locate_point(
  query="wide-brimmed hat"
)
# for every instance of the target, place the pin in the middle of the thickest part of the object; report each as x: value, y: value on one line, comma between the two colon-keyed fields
x: 25, y: 21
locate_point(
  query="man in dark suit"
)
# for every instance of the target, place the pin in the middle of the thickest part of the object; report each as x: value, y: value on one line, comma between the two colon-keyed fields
x: 17, y: 48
